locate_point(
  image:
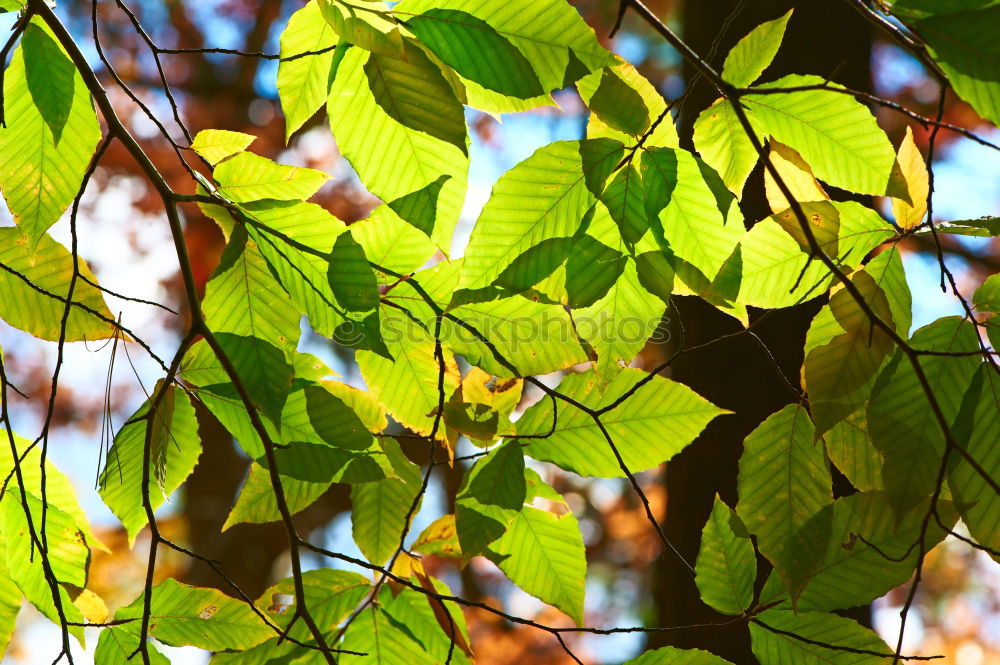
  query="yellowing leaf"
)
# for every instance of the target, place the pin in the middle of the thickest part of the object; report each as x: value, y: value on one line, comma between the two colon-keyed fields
x: 913, y: 169
x: 217, y: 144
x: 796, y: 174
x: 92, y: 606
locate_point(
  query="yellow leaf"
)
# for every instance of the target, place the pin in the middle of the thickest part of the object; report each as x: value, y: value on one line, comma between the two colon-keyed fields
x: 910, y: 164
x: 796, y: 174
x: 92, y: 606
x: 439, y: 538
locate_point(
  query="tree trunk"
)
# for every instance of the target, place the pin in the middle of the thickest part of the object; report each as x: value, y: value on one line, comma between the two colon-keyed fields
x: 825, y: 38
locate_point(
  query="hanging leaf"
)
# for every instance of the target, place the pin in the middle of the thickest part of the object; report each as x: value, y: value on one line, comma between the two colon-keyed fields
x: 802, y: 635
x: 543, y: 554
x: 796, y: 175
x: 783, y: 483
x: 491, y: 496
x: 724, y: 145
x: 549, y: 33
x: 304, y: 83
x: 752, y: 54
x: 367, y: 24
x: 726, y: 562
x: 51, y: 133
x: 476, y: 51
x: 962, y: 44
x: 675, y: 412
x: 39, y: 309
x: 365, y: 131
x: 351, y: 278
x: 249, y: 177
x: 680, y: 194
x: 901, y: 422
x: 183, y: 615
x: 175, y: 448
x: 913, y: 172
x: 378, y: 516
x: 834, y: 133
x: 216, y: 145
x: 543, y: 197
x: 615, y: 102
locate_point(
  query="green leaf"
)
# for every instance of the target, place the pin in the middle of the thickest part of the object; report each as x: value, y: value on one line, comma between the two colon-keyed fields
x: 49, y: 73
x: 535, y: 337
x: 393, y: 241
x: 839, y: 374
x: 777, y: 270
x: 835, y: 134
x: 301, y: 271
x: 549, y: 33
x: 49, y: 268
x: 592, y: 269
x: 10, y: 604
x: 964, y: 46
x: 59, y: 491
x: 753, y: 53
x: 351, y: 278
x: 543, y: 554
x: 183, y: 615
x: 977, y: 501
x: 51, y: 133
x: 673, y: 656
x: 476, y: 51
x: 248, y: 177
x: 773, y: 648
x: 423, y: 619
x: 262, y: 368
x: 664, y: 134
x: 216, y: 145
x: 491, y: 496
x: 175, y: 435
x: 852, y: 452
x: 256, y: 503
x: 364, y: 23
x: 67, y: 555
x: 618, y: 325
x: 378, y: 516
x: 726, y: 563
x: 543, y: 197
x: 365, y: 132
x: 917, y: 9
x: 902, y: 424
x: 419, y: 208
x: 653, y: 425
x: 681, y: 195
x: 116, y: 646
x: 330, y: 596
x: 867, y: 553
x: 783, y: 482
x: 411, y: 89
x: 616, y: 103
x: 625, y: 199
x: 987, y: 296
x: 383, y: 640
x: 243, y: 298
x: 408, y: 384
x: 724, y: 145
x: 303, y: 83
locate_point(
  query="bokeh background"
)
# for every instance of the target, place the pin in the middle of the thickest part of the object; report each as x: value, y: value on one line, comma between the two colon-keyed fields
x: 125, y: 239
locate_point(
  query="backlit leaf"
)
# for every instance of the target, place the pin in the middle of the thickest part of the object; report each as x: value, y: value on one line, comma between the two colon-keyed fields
x: 673, y: 411
x: 753, y: 53
x: 51, y: 133
x: 834, y: 133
